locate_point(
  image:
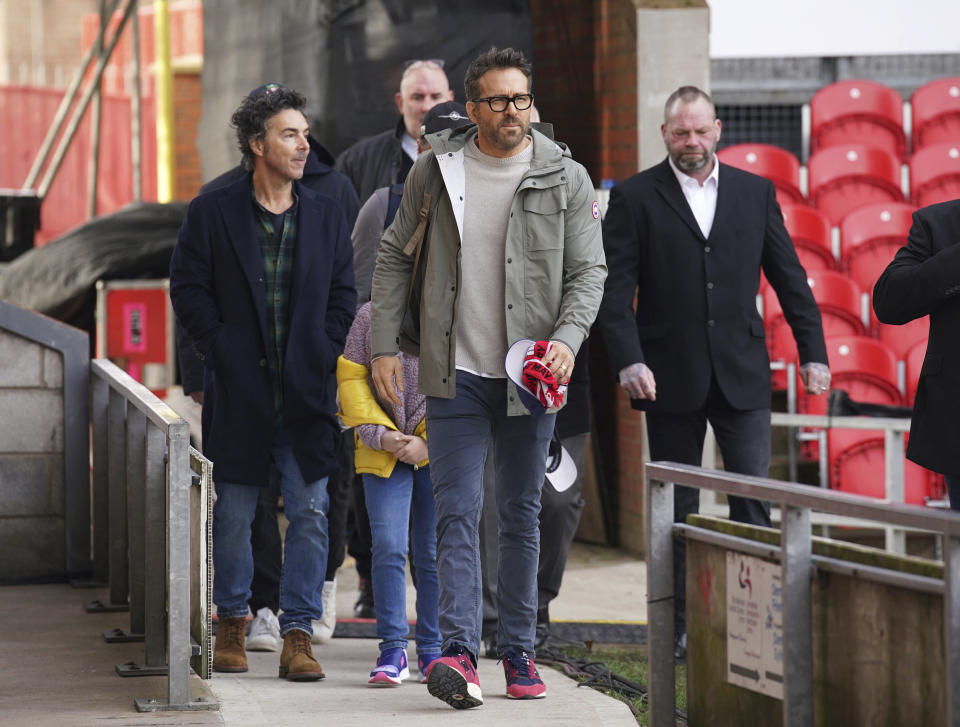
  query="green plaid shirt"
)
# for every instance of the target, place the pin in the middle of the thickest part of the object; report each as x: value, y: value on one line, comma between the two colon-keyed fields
x: 278, y: 269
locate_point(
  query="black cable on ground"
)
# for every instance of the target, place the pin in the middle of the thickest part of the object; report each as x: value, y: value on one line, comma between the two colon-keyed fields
x: 598, y: 675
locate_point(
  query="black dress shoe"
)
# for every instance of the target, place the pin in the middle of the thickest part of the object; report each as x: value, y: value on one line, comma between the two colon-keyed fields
x: 680, y: 647
x: 541, y: 636
x: 490, y: 646
x: 364, y: 607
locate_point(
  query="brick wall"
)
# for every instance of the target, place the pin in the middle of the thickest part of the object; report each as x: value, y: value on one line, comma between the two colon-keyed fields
x: 585, y: 82
x: 187, y: 110
x: 31, y: 459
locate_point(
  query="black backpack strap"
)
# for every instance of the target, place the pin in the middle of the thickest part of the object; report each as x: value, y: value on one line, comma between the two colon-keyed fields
x: 393, y: 203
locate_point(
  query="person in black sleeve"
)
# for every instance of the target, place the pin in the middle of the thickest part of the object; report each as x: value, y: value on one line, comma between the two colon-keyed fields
x: 924, y: 279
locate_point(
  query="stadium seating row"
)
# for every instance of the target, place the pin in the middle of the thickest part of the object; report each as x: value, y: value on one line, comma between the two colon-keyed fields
x: 847, y: 214
x: 867, y: 370
x: 846, y: 176
x: 869, y: 113
x: 845, y: 309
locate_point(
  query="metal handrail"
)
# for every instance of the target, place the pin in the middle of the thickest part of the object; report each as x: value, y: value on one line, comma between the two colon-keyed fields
x: 138, y: 439
x: 796, y: 502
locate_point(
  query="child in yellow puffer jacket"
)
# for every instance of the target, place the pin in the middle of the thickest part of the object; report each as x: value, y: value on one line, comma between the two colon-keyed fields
x: 391, y: 456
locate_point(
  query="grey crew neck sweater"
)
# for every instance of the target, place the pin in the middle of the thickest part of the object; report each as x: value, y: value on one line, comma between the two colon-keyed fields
x: 491, y: 183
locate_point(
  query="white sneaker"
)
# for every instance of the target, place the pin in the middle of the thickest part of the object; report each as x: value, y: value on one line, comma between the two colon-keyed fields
x: 323, y: 629
x: 264, y: 631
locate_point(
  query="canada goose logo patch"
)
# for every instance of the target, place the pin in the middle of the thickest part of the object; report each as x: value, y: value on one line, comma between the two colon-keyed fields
x: 596, y: 210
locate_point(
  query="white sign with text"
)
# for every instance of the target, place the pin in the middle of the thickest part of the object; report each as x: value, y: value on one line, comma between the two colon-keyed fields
x: 754, y: 625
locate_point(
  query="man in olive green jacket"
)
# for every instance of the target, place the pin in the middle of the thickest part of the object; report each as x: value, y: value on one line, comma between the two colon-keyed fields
x: 511, y: 250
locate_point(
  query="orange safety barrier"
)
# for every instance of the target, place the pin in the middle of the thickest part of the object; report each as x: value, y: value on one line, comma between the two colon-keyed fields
x: 27, y: 112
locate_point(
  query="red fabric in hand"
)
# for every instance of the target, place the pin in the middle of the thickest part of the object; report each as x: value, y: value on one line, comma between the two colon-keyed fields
x: 539, y: 379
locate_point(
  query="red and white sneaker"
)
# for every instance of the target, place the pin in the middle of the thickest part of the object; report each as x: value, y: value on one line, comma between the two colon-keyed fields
x: 454, y: 680
x: 523, y: 681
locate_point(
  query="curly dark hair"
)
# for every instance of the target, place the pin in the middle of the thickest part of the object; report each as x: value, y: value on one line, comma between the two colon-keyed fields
x: 250, y: 118
x: 490, y: 60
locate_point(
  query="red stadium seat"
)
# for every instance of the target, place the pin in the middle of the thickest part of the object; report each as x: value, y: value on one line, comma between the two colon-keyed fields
x: 839, y: 301
x: 857, y: 464
x: 844, y: 178
x: 900, y: 339
x: 810, y: 231
x: 859, y: 365
x: 776, y: 164
x: 935, y: 174
x: 914, y: 364
x: 869, y: 238
x: 857, y: 112
x: 936, y: 112
x: 865, y: 368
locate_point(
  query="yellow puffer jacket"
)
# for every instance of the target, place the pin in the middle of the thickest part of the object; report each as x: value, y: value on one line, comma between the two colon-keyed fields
x: 359, y: 406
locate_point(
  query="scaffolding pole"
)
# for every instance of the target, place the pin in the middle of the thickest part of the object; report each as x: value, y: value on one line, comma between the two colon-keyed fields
x: 69, y: 95
x: 78, y: 112
x: 164, y: 102
x: 95, y: 114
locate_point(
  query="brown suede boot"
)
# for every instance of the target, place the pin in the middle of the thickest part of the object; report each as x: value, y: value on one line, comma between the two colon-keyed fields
x: 229, y: 652
x: 296, y: 660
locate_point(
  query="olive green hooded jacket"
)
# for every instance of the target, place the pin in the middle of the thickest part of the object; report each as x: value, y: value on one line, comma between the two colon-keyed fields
x: 554, y: 264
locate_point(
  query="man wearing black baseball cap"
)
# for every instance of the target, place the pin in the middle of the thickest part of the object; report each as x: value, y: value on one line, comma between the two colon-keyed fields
x: 377, y: 213
x: 385, y: 158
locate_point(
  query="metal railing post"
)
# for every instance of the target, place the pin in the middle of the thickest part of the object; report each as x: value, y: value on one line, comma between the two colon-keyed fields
x: 147, y: 454
x: 792, y: 432
x: 117, y: 472
x: 797, y: 503
x: 155, y: 568
x: 116, y: 508
x: 99, y: 396
x: 660, y: 604
x: 796, y: 567
x: 136, y: 471
x: 896, y: 539
x: 951, y: 626
x: 178, y: 548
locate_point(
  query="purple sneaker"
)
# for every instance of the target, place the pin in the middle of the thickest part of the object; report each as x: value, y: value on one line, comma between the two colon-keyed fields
x: 454, y: 680
x: 391, y: 668
x: 523, y: 681
x: 424, y: 662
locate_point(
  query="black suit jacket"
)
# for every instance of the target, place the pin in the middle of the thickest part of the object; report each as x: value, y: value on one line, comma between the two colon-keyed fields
x: 924, y: 279
x: 218, y: 294
x: 696, y: 314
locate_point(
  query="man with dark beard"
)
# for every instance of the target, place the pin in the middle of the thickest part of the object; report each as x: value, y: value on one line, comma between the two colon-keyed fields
x: 689, y: 237
x: 511, y: 231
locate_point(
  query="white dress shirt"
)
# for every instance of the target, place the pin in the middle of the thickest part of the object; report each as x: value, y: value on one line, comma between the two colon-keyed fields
x: 409, y: 145
x: 702, y: 198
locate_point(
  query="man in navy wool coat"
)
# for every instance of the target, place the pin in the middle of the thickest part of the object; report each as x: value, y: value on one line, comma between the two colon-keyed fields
x: 262, y: 281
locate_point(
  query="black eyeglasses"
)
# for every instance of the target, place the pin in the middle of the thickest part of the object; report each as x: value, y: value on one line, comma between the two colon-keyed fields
x: 521, y: 102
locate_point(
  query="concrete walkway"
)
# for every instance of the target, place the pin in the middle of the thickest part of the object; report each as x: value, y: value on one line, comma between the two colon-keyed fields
x: 56, y: 669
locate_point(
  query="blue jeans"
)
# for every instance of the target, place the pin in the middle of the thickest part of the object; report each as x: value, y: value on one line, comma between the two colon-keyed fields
x: 402, y: 513
x: 459, y: 432
x: 305, y: 545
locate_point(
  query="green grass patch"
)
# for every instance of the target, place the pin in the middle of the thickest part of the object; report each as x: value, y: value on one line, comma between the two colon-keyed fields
x: 626, y: 662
